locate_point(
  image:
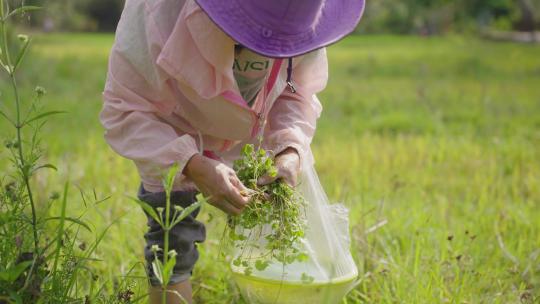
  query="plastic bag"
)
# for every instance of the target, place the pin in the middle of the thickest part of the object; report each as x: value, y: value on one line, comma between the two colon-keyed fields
x: 325, y: 276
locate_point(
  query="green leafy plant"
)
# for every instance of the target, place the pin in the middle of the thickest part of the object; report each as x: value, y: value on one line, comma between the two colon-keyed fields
x: 43, y: 258
x: 167, y: 218
x: 276, y: 215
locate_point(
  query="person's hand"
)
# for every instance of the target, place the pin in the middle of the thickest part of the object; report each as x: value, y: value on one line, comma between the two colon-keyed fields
x: 287, y: 164
x: 219, y: 182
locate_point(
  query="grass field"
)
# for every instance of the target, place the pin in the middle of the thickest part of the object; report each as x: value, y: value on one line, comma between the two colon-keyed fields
x: 433, y: 143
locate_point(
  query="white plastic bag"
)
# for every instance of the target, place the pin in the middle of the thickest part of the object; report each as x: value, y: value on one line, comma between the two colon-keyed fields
x: 329, y: 272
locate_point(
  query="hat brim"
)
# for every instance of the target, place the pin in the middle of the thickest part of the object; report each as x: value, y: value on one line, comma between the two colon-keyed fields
x: 338, y: 19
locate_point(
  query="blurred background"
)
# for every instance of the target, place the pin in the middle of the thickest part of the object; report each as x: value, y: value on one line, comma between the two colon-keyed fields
x: 423, y: 17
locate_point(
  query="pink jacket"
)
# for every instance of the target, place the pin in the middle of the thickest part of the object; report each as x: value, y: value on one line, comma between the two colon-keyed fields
x: 171, y: 92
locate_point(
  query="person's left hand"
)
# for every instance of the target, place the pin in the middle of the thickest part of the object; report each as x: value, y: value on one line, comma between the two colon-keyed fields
x: 287, y: 164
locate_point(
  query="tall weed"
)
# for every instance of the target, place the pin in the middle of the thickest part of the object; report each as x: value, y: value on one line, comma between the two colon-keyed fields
x: 43, y: 258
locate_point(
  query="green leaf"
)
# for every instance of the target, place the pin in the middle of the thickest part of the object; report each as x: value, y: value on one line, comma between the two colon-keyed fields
x: 168, y: 270
x: 70, y: 219
x: 169, y: 181
x: 21, y: 10
x: 157, y: 268
x: 261, y: 265
x: 13, y: 273
x: 43, y: 115
x: 15, y: 297
x: 20, y: 57
x: 302, y: 257
x: 306, y: 279
x: 49, y: 166
x: 187, y: 211
x: 247, y: 150
x: 148, y: 209
x: 8, y: 68
x: 272, y: 172
x: 201, y: 199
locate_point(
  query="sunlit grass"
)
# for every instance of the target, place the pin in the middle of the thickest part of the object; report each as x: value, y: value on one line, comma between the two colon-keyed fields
x: 435, y: 141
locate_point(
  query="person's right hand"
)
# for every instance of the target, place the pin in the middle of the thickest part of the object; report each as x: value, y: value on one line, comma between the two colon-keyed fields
x: 219, y: 183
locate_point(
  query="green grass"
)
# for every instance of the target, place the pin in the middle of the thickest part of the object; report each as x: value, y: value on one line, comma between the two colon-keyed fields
x: 439, y: 138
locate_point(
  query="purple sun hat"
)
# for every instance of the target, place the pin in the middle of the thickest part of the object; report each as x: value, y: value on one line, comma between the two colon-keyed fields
x: 284, y: 28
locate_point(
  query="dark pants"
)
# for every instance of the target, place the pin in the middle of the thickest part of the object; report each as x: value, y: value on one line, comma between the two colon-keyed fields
x: 183, y: 237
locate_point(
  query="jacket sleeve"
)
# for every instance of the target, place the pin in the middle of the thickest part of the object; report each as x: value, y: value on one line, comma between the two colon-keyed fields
x: 292, y: 119
x: 134, y: 129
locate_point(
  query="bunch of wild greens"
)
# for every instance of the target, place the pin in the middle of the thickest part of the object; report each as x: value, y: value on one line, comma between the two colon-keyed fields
x: 276, y: 215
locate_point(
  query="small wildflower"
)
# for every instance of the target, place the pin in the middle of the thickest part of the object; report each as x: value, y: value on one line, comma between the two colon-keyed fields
x: 172, y: 253
x: 23, y: 38
x: 154, y: 248
x: 40, y: 91
x: 160, y: 209
x: 178, y: 208
x: 125, y: 296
